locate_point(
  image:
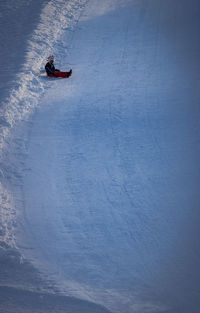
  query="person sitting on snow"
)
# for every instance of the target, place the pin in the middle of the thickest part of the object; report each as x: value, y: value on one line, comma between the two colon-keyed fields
x: 52, y: 71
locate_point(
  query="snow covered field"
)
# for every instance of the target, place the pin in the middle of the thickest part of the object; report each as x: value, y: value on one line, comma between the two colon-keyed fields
x: 100, y: 172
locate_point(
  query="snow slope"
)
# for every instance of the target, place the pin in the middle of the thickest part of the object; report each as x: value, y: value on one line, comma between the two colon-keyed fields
x: 25, y: 83
x: 108, y: 164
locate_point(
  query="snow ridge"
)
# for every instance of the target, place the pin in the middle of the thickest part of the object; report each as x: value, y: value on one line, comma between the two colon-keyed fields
x: 57, y: 16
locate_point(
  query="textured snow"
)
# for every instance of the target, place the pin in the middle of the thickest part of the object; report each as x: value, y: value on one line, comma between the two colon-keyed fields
x: 102, y: 170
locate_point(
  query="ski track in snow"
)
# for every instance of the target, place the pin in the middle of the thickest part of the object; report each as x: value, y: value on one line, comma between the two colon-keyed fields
x: 104, y: 166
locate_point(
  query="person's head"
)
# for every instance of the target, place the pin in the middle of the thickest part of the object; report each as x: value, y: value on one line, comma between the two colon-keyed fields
x: 51, y: 59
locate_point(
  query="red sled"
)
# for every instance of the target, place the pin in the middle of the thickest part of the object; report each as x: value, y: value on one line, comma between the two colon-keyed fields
x: 59, y: 74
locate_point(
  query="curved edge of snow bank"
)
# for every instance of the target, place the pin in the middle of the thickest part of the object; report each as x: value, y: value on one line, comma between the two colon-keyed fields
x: 57, y: 16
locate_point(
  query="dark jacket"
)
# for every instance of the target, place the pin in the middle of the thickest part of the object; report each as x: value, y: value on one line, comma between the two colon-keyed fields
x: 50, y: 69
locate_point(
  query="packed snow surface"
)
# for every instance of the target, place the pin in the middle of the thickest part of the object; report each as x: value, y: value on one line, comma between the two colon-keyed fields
x: 105, y: 165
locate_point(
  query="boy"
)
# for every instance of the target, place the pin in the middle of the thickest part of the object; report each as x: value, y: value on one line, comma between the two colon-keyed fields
x: 52, y: 71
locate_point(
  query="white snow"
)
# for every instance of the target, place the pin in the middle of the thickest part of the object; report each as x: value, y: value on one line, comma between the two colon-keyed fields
x: 102, y: 170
